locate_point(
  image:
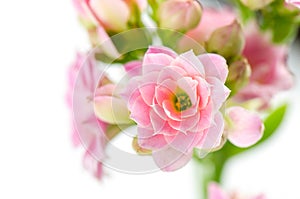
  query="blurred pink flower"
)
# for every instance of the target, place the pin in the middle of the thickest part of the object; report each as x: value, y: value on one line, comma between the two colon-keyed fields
x: 175, y: 102
x: 294, y: 2
x: 269, y: 72
x: 215, y: 192
x: 87, y: 129
x: 243, y: 128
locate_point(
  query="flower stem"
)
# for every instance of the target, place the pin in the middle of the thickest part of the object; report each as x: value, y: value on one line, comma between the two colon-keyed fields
x: 209, y: 170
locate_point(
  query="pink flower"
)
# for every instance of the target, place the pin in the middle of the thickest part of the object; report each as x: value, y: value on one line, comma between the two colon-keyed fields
x: 215, y: 192
x: 293, y: 2
x: 88, y: 130
x: 175, y: 102
x: 243, y: 128
x: 268, y: 65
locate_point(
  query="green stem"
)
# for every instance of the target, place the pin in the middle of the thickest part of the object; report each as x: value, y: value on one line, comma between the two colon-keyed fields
x: 209, y: 170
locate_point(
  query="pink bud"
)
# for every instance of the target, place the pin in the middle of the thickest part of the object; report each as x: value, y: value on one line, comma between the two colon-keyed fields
x: 180, y: 15
x: 227, y: 41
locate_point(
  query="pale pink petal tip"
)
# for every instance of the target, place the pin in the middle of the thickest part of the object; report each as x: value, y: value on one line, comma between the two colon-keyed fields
x: 245, y: 128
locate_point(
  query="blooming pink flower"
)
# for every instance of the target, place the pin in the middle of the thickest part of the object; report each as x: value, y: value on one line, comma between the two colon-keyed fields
x: 215, y: 192
x: 293, y: 2
x: 268, y: 65
x: 175, y: 102
x: 87, y: 129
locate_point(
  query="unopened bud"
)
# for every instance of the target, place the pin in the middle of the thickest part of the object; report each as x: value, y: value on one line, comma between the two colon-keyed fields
x: 227, y: 41
x: 238, y: 76
x: 180, y: 15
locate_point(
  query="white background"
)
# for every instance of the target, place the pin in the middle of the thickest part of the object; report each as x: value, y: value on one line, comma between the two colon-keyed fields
x: 38, y: 40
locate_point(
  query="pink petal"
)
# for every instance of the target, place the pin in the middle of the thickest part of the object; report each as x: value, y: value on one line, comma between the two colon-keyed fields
x: 185, y: 142
x: 215, y: 192
x: 133, y: 68
x: 212, y: 137
x: 161, y: 126
x: 140, y: 112
x: 219, y: 92
x: 190, y: 63
x: 215, y: 66
x: 146, y: 141
x: 186, y: 123
x: 171, y: 72
x: 92, y: 165
x: 206, y: 118
x: 163, y: 50
x: 203, y: 91
x: 155, y: 62
x: 245, y: 128
x: 168, y: 159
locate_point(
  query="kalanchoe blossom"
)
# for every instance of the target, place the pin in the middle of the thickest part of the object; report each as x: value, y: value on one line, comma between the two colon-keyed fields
x: 269, y: 72
x: 215, y: 192
x: 175, y: 102
x: 294, y: 2
x: 87, y: 129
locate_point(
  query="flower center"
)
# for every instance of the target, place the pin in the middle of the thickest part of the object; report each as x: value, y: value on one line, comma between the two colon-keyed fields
x: 182, y: 101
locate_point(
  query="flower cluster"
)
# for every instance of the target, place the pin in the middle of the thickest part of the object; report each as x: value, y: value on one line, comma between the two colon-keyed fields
x: 193, y: 77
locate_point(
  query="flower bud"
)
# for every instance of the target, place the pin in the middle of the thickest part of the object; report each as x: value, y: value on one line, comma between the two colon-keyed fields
x: 113, y: 14
x: 180, y: 15
x: 238, y: 76
x: 256, y: 4
x: 109, y: 107
x: 227, y: 41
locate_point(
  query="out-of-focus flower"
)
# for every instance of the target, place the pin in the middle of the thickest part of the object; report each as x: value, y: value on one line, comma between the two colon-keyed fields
x: 243, y: 128
x: 215, y: 192
x: 175, y: 102
x: 87, y: 129
x: 293, y: 2
x: 112, y: 15
x: 269, y: 72
x: 256, y: 4
x: 180, y: 15
x: 227, y: 41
